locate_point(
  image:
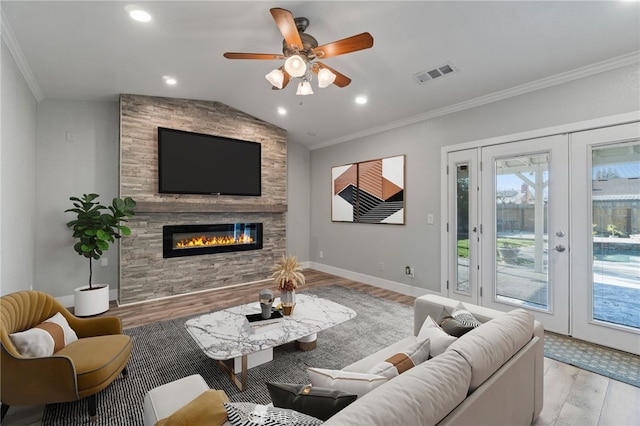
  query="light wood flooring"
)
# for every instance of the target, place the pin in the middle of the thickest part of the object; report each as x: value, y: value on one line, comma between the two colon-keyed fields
x: 571, y: 396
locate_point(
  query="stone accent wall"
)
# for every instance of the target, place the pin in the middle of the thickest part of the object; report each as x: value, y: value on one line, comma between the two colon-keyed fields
x: 144, y: 273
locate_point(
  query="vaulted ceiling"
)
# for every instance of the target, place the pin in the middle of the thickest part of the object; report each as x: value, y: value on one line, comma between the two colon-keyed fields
x: 92, y: 50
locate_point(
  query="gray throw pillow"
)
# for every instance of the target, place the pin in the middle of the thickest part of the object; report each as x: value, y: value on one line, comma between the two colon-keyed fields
x: 452, y: 326
x: 461, y: 313
x: 318, y: 402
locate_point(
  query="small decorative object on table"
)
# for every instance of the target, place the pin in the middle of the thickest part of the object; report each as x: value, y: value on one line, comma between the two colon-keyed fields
x: 266, y: 302
x: 288, y: 277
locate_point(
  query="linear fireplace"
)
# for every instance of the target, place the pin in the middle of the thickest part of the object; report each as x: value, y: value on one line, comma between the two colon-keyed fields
x: 193, y: 240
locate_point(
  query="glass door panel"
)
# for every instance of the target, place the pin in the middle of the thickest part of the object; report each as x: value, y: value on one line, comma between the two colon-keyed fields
x: 615, y: 239
x: 520, y: 231
x: 461, y: 244
x: 462, y: 283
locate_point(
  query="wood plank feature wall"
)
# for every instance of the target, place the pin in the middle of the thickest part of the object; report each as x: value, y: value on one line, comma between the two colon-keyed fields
x: 144, y: 273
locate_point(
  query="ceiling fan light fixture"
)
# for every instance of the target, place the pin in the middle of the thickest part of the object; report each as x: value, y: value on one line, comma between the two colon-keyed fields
x: 276, y: 78
x: 325, y: 78
x: 295, y: 66
x: 304, y: 88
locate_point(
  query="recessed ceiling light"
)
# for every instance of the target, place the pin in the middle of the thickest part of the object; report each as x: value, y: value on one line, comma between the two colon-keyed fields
x: 282, y: 111
x: 170, y: 80
x: 137, y: 13
x: 361, y: 100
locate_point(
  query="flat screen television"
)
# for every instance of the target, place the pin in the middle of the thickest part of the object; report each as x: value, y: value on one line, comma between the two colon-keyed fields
x: 194, y: 163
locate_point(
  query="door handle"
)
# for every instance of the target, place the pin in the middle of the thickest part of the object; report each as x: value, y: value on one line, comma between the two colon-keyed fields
x: 559, y: 248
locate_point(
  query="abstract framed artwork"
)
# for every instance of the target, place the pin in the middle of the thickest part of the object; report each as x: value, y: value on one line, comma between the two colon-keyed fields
x: 369, y: 191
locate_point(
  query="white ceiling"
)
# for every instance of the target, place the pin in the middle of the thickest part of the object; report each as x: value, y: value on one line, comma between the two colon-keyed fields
x: 92, y: 50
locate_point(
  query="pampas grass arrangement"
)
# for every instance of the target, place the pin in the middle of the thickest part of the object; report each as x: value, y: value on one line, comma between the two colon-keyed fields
x: 287, y: 274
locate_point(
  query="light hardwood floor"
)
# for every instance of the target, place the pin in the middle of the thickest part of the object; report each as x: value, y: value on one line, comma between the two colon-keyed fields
x: 571, y: 396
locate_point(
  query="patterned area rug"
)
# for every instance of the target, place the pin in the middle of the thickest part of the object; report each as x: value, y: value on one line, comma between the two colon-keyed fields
x: 164, y: 351
x: 617, y: 365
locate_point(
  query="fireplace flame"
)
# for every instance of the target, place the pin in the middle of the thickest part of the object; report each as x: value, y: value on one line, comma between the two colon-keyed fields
x: 204, y: 241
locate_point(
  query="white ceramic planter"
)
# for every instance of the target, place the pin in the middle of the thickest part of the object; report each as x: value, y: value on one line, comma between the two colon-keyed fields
x: 91, y: 302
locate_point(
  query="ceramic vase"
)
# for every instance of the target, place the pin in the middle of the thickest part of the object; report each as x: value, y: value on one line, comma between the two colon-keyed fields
x: 288, y: 299
x: 266, y: 303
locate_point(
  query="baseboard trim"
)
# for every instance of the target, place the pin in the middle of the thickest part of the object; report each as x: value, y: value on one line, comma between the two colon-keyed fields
x: 68, y: 302
x: 371, y: 280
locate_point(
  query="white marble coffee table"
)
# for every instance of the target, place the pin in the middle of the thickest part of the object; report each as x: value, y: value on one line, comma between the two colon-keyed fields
x: 227, y: 337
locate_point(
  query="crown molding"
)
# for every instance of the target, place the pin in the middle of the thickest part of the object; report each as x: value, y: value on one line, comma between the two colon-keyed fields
x: 565, y: 77
x: 11, y: 42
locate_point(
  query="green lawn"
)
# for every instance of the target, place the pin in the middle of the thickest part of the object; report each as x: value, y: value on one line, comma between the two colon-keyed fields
x: 463, y: 245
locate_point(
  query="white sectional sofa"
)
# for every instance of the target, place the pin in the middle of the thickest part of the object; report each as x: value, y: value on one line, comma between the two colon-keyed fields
x: 492, y: 375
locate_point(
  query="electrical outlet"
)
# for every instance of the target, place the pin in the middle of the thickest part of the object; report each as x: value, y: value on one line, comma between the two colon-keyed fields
x: 104, y: 261
x: 430, y: 219
x: 409, y: 270
x: 381, y: 266
x: 321, y: 254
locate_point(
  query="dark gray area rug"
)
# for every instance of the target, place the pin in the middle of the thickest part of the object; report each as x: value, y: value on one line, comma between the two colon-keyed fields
x: 617, y: 365
x: 164, y: 352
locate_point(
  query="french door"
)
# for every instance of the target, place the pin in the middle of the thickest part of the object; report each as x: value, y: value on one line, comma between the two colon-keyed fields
x: 551, y: 225
x: 605, y: 236
x: 525, y: 221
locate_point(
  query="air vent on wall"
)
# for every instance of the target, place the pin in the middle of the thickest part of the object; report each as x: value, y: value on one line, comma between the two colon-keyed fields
x: 425, y: 76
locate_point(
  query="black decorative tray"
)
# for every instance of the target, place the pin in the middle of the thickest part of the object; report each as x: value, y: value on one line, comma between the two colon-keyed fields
x: 257, y: 318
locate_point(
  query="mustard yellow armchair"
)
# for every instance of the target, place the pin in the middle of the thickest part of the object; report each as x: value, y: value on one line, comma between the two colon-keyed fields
x: 81, y: 369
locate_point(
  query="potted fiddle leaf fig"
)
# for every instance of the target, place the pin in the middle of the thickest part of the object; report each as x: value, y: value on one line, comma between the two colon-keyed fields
x: 95, y: 227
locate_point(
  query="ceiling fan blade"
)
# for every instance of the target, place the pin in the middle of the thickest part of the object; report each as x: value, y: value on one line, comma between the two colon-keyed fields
x: 287, y: 26
x: 285, y: 80
x: 341, y: 79
x: 346, y: 45
x: 236, y: 55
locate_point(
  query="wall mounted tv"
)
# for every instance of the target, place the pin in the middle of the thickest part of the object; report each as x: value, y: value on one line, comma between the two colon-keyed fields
x: 194, y: 163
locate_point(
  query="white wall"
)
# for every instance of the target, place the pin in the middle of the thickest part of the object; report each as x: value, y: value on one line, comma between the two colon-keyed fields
x: 77, y: 153
x: 360, y: 248
x: 17, y: 179
x: 298, y: 200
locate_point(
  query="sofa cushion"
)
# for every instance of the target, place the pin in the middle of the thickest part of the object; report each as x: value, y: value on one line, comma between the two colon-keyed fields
x: 423, y: 395
x: 348, y: 381
x: 438, y: 338
x: 486, y: 348
x: 367, y: 363
x: 451, y: 325
x: 402, y: 361
x: 249, y: 414
x: 97, y: 359
x: 206, y: 409
x: 44, y: 339
x: 318, y: 402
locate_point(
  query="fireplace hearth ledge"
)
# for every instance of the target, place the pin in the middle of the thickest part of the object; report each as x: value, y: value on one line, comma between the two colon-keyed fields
x: 165, y: 206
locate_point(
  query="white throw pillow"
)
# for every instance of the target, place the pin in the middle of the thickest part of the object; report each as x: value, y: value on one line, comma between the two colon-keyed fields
x: 45, y: 338
x: 348, y: 381
x: 439, y: 339
x: 414, y: 354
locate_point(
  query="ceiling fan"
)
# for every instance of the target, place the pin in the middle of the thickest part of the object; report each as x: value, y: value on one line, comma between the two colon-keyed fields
x: 301, y: 53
